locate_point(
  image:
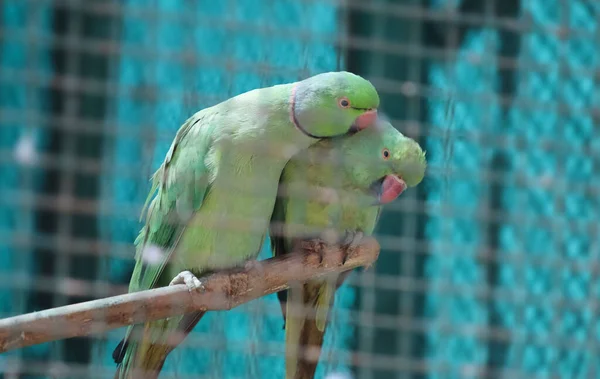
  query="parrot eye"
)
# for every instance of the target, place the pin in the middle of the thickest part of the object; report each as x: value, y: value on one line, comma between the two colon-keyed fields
x: 386, y: 154
x: 344, y: 102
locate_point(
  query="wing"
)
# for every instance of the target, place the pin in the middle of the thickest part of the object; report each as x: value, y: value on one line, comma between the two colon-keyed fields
x: 301, y: 202
x: 289, y: 208
x: 292, y: 203
x: 180, y: 185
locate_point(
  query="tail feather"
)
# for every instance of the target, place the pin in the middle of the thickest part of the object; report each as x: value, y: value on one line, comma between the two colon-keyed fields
x: 144, y: 357
x: 304, y: 332
x: 323, y: 301
x: 295, y: 319
x: 303, y: 338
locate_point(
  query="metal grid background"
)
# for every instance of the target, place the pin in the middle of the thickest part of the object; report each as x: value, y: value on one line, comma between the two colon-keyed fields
x: 488, y: 269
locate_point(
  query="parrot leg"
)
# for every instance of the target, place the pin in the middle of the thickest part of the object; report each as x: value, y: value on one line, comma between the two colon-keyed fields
x: 350, y: 241
x: 318, y: 245
x: 347, y: 241
x: 190, y: 280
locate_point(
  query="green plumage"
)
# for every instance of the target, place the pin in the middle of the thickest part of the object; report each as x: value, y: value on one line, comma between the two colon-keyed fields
x: 333, y: 185
x: 215, y: 191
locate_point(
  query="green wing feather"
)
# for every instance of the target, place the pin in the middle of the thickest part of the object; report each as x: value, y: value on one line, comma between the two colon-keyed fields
x: 180, y: 185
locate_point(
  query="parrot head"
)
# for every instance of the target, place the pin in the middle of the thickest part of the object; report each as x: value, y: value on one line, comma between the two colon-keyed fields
x: 333, y: 104
x: 382, y: 161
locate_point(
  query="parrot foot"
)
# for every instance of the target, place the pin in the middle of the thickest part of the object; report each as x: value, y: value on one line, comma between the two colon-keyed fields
x: 327, y: 239
x: 349, y: 242
x: 317, y: 245
x: 190, y: 280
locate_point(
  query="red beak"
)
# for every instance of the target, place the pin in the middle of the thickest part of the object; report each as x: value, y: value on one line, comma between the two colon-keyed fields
x: 392, y: 187
x: 366, y: 119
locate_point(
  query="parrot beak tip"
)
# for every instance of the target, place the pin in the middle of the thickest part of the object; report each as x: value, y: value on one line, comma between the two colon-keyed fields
x: 365, y: 120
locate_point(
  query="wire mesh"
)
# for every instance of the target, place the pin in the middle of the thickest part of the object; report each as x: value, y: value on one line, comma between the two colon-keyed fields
x: 488, y: 268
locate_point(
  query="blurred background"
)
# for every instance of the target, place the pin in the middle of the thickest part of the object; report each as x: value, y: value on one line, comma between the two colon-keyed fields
x: 489, y: 268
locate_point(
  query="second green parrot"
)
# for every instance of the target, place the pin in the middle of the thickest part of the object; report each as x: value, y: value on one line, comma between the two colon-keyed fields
x: 334, y: 191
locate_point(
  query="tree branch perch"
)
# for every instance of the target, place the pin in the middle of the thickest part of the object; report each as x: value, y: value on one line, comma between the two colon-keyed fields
x: 224, y: 290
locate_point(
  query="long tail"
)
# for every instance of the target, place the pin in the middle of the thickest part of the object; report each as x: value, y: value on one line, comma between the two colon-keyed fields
x: 142, y: 353
x: 307, y: 307
x: 299, y: 330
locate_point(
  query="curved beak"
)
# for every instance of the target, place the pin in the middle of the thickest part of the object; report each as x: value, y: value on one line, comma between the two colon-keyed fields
x: 365, y: 120
x: 391, y: 188
x: 388, y: 188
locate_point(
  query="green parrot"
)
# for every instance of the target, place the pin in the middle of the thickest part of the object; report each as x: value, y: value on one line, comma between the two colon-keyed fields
x: 334, y: 192
x: 216, y: 189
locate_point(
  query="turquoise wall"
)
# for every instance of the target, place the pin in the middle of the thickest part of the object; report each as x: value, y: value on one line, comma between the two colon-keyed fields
x: 23, y: 106
x: 511, y: 209
x: 533, y: 164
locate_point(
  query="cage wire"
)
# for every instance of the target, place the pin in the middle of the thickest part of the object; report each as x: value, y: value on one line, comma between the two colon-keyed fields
x: 488, y: 268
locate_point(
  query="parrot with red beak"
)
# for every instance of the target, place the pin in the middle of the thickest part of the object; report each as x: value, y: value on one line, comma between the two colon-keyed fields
x: 334, y: 192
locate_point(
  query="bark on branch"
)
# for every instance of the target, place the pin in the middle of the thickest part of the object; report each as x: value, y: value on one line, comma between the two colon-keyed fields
x: 224, y: 290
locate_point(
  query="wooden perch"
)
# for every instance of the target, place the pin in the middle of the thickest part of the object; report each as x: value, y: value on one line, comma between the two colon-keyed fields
x: 224, y: 290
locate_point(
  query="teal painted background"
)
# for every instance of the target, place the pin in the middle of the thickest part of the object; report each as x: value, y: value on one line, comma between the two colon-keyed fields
x: 22, y: 112
x: 532, y: 165
x: 509, y: 210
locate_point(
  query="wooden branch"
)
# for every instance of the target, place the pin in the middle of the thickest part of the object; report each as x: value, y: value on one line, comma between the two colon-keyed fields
x: 224, y: 290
